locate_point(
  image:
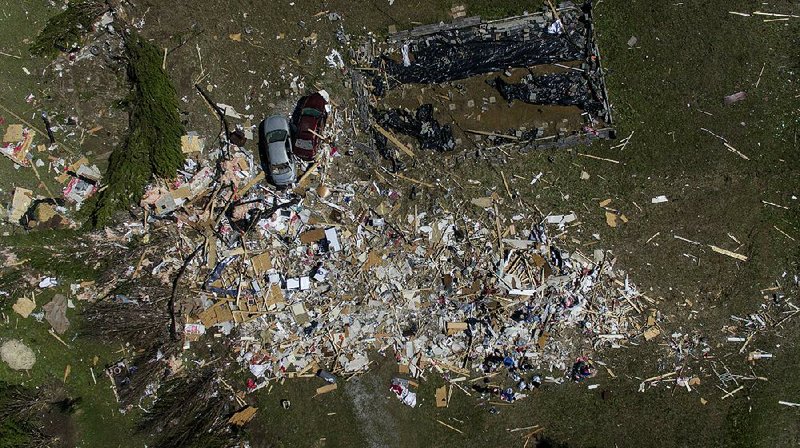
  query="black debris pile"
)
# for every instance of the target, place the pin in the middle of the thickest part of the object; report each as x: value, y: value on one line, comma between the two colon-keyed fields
x: 454, y: 52
x: 565, y: 89
x: 421, y: 125
x: 382, y: 145
x: 436, y: 60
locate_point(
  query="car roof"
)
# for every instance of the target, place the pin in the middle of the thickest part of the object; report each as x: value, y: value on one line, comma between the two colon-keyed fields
x: 276, y: 122
x: 316, y: 101
x: 277, y: 153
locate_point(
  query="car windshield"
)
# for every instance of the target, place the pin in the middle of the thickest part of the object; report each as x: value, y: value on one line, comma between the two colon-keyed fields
x: 276, y: 136
x: 280, y: 168
x: 304, y: 144
x: 311, y: 112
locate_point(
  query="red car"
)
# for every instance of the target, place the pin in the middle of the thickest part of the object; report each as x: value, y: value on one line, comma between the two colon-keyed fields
x: 308, y: 125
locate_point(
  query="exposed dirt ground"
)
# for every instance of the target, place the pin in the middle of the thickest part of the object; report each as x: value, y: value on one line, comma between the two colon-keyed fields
x: 664, y: 89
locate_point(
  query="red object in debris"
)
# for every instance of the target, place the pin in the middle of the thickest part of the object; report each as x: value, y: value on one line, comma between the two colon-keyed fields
x: 309, y: 123
x: 251, y: 384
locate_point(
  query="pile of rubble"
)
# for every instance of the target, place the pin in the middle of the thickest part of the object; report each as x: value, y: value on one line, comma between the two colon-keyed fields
x: 544, y: 58
x: 317, y: 277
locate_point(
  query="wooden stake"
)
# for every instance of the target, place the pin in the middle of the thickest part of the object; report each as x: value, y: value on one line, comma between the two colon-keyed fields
x: 401, y: 176
x: 393, y: 139
x: 505, y: 182
x: 53, y: 333
x: 784, y: 233
x: 499, y: 233
x: 722, y: 251
x: 492, y: 134
x: 598, y: 158
x: 775, y: 205
x: 454, y: 429
x: 730, y: 394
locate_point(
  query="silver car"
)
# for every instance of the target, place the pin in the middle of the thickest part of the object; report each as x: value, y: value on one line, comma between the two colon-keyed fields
x: 275, y: 149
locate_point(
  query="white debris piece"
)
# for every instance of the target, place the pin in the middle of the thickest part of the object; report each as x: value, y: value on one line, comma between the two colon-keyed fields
x: 659, y: 199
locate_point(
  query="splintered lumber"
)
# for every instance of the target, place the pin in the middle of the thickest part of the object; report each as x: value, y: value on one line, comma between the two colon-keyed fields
x: 242, y: 417
x: 492, y: 134
x: 731, y: 393
x: 598, y: 158
x: 326, y: 388
x: 424, y: 184
x: 456, y: 327
x: 425, y: 30
x: 772, y: 14
x: 400, y: 145
x: 454, y: 429
x: 53, y: 334
x: 259, y: 177
x: 722, y: 251
x: 659, y: 377
x: 735, y: 151
x: 505, y: 182
x: 304, y: 178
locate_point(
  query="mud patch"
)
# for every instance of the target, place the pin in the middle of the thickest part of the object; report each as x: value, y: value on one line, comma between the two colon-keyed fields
x: 377, y: 425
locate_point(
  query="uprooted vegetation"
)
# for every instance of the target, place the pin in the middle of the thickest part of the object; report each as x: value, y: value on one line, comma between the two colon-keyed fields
x: 21, y: 411
x: 190, y: 412
x: 153, y: 146
x: 65, y: 30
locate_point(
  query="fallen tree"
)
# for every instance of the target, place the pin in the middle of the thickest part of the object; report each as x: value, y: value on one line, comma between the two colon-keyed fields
x: 64, y: 31
x: 153, y: 145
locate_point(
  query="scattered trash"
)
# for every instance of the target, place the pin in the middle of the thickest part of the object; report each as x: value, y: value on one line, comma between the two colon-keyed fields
x: 17, y: 355
x: 17, y: 144
x: 401, y: 388
x: 24, y: 306
x: 659, y: 199
x: 48, y: 282
x: 56, y: 313
x: 734, y: 98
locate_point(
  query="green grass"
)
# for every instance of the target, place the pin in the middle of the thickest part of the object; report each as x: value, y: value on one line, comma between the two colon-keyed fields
x: 500, y: 9
x: 22, y: 22
x: 98, y: 421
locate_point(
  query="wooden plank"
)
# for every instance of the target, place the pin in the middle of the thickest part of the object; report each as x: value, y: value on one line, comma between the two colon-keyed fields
x: 492, y: 134
x: 259, y: 177
x: 242, y: 417
x: 424, y: 184
x: 441, y: 397
x: 722, y: 251
x: 393, y: 139
x: 456, y: 327
x: 326, y: 388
